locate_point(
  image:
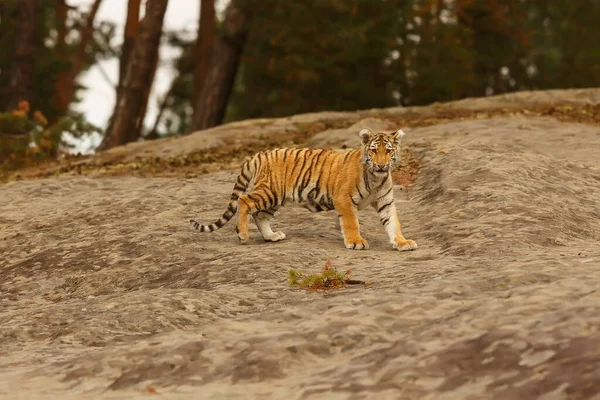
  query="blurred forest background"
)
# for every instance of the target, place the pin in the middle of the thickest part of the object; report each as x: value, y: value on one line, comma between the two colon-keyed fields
x: 272, y: 58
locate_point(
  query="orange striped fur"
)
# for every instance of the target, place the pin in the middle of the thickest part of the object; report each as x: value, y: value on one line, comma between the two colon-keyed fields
x: 319, y: 180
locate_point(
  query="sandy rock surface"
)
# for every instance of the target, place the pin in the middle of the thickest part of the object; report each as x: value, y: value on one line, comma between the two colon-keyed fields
x: 105, y: 291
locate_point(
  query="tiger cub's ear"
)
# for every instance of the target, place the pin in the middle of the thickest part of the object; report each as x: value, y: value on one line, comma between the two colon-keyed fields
x: 397, y: 136
x: 365, y: 135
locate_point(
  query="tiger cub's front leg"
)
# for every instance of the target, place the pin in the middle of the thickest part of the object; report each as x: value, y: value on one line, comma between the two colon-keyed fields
x: 389, y: 218
x: 348, y: 216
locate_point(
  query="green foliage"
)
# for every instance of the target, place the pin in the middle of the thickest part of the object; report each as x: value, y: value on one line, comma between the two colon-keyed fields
x: 73, y: 124
x: 23, y: 136
x: 565, y: 51
x: 51, y: 60
x: 313, y: 55
x: 26, y: 137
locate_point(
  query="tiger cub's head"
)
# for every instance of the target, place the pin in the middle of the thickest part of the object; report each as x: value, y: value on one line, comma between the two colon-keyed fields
x: 380, y: 150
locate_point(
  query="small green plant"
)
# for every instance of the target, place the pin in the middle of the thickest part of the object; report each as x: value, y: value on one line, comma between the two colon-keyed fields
x: 329, y: 278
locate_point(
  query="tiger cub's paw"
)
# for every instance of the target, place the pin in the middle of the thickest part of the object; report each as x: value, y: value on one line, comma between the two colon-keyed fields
x: 243, y: 236
x: 275, y: 237
x: 404, y: 244
x: 357, y: 244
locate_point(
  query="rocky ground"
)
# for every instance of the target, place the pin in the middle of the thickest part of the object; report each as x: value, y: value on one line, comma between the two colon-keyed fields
x: 105, y: 291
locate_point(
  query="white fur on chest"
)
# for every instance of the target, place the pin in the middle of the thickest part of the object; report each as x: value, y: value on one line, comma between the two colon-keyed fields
x: 372, y: 191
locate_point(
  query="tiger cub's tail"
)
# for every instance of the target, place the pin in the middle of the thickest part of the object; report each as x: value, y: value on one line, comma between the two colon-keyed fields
x: 240, y: 187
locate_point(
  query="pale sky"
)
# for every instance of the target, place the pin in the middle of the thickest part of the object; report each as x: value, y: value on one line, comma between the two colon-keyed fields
x: 98, y: 101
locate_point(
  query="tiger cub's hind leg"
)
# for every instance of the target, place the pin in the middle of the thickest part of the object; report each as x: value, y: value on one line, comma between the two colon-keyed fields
x: 263, y: 223
x: 242, y: 225
x: 259, y: 205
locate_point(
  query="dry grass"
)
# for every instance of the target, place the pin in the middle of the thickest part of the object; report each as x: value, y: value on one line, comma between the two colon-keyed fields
x: 329, y: 278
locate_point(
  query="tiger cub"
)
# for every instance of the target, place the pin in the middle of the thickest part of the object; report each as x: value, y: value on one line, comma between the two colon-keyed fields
x: 319, y: 180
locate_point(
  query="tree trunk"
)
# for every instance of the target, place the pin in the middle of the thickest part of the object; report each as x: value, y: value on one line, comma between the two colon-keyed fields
x: 21, y: 74
x: 142, y: 114
x: 61, y: 22
x: 123, y: 125
x: 131, y: 31
x: 61, y: 85
x: 166, y: 101
x: 212, y: 101
x: 65, y: 83
x: 204, y: 46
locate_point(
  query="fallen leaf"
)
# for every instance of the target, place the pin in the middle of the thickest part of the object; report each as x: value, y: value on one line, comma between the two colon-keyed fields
x: 151, y: 389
